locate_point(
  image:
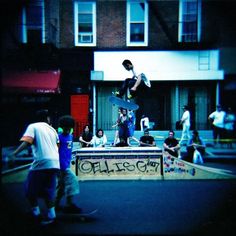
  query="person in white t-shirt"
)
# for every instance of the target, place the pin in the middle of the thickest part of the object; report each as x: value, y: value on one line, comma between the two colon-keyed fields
x: 217, y: 119
x: 99, y: 140
x: 42, y: 177
x: 185, y: 122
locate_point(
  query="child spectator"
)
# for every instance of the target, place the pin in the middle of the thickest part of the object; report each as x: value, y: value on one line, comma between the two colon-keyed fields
x: 68, y: 184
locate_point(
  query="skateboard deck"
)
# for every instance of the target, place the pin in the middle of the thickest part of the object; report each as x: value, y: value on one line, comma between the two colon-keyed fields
x: 122, y: 103
x: 83, y: 216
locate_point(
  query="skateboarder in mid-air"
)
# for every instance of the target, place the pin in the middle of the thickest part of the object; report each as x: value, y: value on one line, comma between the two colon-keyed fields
x: 134, y: 83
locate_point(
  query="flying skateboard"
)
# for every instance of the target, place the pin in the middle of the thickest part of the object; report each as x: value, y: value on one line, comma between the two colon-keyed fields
x: 83, y: 216
x: 122, y: 103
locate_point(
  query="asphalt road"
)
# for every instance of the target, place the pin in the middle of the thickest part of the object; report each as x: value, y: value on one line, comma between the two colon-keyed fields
x: 175, y: 207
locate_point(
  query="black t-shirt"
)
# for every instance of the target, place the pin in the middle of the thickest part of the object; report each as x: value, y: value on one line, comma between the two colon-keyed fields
x: 87, y: 136
x: 147, y: 140
x: 171, y: 142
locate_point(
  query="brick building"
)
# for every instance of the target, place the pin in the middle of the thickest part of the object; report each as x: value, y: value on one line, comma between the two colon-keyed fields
x: 186, y: 47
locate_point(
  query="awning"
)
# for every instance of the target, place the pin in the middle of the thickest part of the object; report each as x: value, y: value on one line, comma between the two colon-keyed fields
x: 31, y: 82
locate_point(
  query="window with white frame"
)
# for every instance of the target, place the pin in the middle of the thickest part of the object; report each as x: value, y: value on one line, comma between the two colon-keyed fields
x: 137, y: 23
x: 189, y: 20
x: 85, y: 23
x: 33, y: 23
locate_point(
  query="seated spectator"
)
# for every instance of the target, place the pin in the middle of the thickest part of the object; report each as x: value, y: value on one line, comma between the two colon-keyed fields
x: 147, y: 140
x: 99, y: 140
x: 196, y: 148
x: 86, y: 137
x: 171, y: 145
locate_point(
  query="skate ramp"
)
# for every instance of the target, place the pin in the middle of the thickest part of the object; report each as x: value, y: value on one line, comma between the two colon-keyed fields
x: 140, y: 163
x: 174, y: 168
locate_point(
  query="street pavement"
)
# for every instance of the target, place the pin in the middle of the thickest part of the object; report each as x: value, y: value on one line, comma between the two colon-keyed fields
x: 175, y: 207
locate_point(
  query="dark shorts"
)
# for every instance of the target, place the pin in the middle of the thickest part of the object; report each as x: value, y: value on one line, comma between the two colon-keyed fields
x: 41, y: 183
x: 173, y: 153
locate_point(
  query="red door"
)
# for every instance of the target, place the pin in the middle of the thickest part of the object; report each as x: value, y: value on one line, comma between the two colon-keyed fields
x: 79, y: 105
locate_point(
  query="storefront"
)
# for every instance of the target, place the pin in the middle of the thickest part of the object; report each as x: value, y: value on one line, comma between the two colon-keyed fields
x: 178, y: 78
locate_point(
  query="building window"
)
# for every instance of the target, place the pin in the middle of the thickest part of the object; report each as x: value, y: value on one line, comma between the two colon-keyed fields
x: 33, y: 23
x: 189, y: 20
x: 85, y: 23
x: 137, y: 23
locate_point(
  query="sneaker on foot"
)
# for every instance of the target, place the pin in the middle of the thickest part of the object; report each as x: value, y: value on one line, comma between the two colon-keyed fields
x: 116, y: 93
x: 146, y: 80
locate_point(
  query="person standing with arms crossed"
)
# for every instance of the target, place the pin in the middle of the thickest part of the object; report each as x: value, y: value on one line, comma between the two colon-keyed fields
x: 42, y: 176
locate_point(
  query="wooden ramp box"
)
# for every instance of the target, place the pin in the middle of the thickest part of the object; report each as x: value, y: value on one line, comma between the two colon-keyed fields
x: 118, y: 163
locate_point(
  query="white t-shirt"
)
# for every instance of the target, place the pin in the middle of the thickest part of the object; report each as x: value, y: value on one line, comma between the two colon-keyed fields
x: 186, y: 118
x: 44, y: 140
x: 98, y: 142
x: 218, y: 118
x: 135, y: 73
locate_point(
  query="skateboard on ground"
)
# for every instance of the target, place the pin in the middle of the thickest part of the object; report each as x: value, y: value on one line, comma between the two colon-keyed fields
x: 122, y: 103
x: 83, y: 216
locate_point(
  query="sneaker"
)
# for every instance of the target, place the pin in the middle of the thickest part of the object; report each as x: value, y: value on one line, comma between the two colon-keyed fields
x: 47, y: 221
x: 129, y: 96
x: 146, y: 80
x: 116, y: 93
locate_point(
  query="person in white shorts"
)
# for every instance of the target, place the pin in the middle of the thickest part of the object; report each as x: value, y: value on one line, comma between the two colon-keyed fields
x: 185, y: 121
